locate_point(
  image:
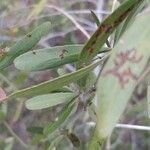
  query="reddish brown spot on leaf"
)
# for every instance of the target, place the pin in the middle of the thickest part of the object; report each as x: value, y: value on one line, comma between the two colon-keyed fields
x: 121, y: 18
x: 90, y: 50
x: 124, y: 75
x: 64, y: 51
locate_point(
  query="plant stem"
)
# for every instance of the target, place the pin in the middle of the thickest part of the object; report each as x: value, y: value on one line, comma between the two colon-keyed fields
x: 96, y: 143
x: 14, y: 134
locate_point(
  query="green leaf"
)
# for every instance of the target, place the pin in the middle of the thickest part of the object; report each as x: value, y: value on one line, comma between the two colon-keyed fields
x: 95, y: 18
x: 128, y: 21
x: 98, y: 24
x: 98, y: 39
x: 48, y: 100
x: 122, y: 70
x: 24, y: 45
x: 48, y: 58
x: 62, y: 116
x: 148, y: 99
x: 56, y: 83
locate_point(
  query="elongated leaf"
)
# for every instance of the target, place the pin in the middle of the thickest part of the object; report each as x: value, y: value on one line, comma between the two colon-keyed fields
x: 48, y: 100
x: 98, y: 24
x: 24, y: 45
x: 52, y: 126
x: 122, y: 70
x: 48, y: 58
x: 128, y: 21
x: 96, y: 19
x: 56, y: 83
x: 105, y: 29
x: 148, y: 99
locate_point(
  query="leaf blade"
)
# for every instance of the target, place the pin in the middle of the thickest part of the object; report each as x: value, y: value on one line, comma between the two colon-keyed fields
x: 48, y: 100
x: 48, y: 58
x: 128, y: 21
x: 112, y: 105
x: 98, y: 39
x: 24, y: 45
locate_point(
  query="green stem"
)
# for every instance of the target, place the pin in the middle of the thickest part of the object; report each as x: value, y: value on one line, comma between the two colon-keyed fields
x: 96, y: 143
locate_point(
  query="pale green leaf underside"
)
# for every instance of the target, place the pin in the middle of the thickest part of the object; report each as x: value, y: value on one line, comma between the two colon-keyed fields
x: 48, y: 100
x: 131, y: 54
x: 48, y: 58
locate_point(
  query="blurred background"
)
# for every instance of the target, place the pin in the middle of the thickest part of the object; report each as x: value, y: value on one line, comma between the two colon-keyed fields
x: 71, y: 22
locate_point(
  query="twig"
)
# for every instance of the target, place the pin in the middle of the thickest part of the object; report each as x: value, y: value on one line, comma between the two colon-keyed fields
x: 72, y: 20
x: 126, y: 126
x: 73, y: 12
x: 14, y: 134
x: 134, y: 127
